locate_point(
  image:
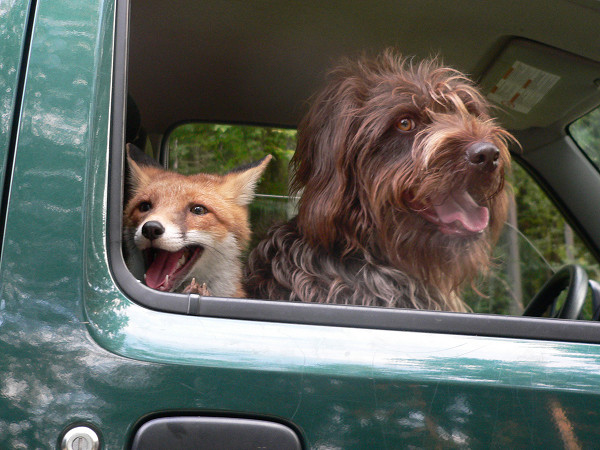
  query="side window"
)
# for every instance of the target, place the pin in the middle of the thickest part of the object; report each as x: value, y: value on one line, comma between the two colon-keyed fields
x: 586, y: 132
x: 205, y: 85
x: 536, y: 240
x: 535, y: 243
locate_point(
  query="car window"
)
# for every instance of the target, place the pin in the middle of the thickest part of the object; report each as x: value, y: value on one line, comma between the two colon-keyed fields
x: 586, y: 132
x: 535, y: 243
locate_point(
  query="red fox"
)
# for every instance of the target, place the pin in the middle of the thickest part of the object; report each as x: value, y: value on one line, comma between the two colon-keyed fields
x: 191, y: 229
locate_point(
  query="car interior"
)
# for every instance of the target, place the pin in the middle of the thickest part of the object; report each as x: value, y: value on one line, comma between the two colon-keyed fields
x: 258, y: 63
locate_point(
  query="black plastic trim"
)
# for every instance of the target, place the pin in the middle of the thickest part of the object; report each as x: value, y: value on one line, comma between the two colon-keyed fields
x: 300, y: 313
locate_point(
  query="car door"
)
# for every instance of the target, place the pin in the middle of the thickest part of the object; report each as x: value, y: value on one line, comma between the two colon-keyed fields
x: 85, y: 346
x: 13, y: 54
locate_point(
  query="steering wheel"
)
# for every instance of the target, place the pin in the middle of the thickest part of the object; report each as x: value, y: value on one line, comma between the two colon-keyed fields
x: 574, y: 279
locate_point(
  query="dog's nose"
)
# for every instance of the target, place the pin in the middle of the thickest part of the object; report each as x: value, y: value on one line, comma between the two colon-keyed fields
x: 484, y: 156
x: 152, y: 229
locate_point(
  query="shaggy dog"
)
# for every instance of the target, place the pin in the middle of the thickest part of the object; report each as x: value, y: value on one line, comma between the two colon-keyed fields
x: 401, y: 171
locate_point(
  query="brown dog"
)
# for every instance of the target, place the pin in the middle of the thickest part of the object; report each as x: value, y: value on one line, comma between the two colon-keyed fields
x: 401, y: 170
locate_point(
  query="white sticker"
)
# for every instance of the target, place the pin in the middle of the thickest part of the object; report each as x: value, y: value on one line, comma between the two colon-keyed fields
x: 522, y: 87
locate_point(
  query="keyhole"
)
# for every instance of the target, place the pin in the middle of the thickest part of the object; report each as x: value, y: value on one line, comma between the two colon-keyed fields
x: 81, y: 443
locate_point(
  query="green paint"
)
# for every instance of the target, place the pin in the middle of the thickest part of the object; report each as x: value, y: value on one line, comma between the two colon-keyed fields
x: 74, y: 349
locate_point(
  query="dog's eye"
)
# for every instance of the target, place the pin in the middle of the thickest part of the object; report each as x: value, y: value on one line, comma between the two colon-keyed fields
x: 405, y: 124
x: 145, y: 206
x: 199, y: 210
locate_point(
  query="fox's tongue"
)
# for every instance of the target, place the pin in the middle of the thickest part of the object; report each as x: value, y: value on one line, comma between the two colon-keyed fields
x: 460, y: 206
x: 164, y: 264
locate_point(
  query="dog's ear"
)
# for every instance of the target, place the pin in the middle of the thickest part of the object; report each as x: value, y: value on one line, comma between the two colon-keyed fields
x: 241, y: 182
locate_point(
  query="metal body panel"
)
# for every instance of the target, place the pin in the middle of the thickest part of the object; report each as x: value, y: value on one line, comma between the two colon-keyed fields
x: 75, y: 350
x: 13, y: 21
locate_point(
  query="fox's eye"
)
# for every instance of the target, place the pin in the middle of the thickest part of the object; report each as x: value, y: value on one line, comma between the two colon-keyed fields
x: 199, y: 210
x: 405, y: 124
x: 145, y: 206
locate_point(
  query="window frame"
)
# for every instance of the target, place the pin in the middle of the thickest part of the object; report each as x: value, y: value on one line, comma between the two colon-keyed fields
x: 291, y: 312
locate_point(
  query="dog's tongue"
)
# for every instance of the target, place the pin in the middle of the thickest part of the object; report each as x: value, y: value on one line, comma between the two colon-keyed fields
x: 165, y: 263
x: 461, y: 206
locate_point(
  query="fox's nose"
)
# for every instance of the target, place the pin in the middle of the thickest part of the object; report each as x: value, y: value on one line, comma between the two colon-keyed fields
x: 483, y: 156
x: 152, y: 229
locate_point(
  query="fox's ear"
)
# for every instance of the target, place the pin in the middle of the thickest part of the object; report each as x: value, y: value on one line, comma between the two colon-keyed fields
x: 139, y: 177
x: 243, y: 181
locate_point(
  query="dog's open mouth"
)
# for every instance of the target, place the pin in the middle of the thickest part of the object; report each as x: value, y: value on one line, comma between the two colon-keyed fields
x: 456, y: 213
x: 165, y: 269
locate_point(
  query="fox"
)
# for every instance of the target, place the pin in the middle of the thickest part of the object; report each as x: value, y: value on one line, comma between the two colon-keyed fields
x: 191, y: 229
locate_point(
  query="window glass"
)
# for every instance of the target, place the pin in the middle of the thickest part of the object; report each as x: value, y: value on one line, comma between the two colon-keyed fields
x: 586, y: 132
x: 536, y: 240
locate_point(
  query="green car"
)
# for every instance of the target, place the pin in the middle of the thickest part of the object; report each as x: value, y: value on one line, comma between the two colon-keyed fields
x: 92, y: 358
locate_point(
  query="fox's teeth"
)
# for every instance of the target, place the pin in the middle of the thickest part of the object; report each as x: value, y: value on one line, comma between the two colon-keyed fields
x: 181, y: 261
x: 167, y: 279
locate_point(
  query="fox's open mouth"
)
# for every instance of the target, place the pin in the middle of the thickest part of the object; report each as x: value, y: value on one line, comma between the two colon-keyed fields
x: 164, y: 270
x: 455, y: 213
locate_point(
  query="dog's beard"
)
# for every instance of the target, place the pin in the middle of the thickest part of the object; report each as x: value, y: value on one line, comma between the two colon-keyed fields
x: 455, y: 213
x: 440, y: 254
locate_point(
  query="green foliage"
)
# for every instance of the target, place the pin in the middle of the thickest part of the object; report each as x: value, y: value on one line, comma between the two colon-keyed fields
x: 211, y: 148
x: 586, y: 132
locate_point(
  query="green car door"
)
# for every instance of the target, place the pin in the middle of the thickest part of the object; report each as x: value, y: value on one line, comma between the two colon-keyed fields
x: 13, y: 52
x: 79, y: 350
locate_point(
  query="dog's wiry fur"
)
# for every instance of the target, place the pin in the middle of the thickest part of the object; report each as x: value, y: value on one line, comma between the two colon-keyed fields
x: 367, y: 232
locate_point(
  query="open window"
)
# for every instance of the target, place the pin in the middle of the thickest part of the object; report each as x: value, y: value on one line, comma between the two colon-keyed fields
x: 194, y: 114
x: 536, y: 241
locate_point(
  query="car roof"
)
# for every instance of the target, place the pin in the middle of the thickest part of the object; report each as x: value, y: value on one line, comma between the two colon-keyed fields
x: 259, y: 61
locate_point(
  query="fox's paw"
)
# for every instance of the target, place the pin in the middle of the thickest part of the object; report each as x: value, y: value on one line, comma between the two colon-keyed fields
x: 195, y: 288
